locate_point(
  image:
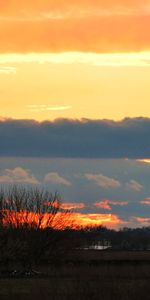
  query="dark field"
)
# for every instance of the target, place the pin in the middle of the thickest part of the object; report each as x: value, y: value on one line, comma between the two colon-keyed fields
x: 86, y: 275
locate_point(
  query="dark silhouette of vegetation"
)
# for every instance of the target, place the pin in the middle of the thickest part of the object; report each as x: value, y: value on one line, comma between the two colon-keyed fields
x: 37, y: 234
x: 33, y: 227
x: 122, y: 239
x: 36, y: 231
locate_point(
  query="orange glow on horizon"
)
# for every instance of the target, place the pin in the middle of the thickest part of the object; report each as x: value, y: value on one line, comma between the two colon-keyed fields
x: 59, y: 221
x: 93, y: 220
x: 144, y: 160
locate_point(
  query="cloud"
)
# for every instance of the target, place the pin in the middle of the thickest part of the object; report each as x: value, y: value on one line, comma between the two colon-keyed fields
x: 142, y: 220
x: 55, y: 178
x: 141, y: 59
x: 44, y: 107
x: 7, y: 70
x: 119, y: 203
x: 103, y: 181
x: 128, y: 138
x: 144, y: 161
x: 134, y: 185
x: 84, y: 220
x: 146, y: 201
x: 18, y: 175
x: 106, y: 204
x: 72, y: 205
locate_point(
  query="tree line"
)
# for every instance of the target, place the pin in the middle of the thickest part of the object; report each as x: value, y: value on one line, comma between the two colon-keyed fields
x: 34, y: 230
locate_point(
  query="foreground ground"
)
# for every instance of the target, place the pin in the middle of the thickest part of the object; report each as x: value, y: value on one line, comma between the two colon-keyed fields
x: 87, y: 275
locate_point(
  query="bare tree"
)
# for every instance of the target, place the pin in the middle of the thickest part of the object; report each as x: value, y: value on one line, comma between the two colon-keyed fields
x: 20, y: 206
x: 31, y: 220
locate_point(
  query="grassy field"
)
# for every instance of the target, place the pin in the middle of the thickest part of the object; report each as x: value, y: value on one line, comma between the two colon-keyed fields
x: 113, y: 276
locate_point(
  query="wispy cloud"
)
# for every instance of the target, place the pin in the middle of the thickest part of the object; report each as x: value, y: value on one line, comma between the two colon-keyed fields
x: 72, y: 205
x: 7, y: 70
x: 55, y: 178
x: 18, y: 175
x: 134, y: 185
x: 106, y: 204
x: 103, y: 181
x: 44, y: 107
x: 146, y: 201
x: 96, y: 59
x: 142, y: 220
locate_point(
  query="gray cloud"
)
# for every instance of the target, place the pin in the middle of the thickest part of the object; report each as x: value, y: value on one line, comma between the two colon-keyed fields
x: 103, y: 181
x: 55, y: 178
x: 18, y: 175
x: 134, y: 185
x: 76, y: 138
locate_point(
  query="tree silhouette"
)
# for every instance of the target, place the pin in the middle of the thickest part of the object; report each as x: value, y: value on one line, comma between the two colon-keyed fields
x: 31, y: 221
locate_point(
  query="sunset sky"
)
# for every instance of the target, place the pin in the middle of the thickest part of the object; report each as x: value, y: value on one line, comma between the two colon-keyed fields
x: 75, y: 104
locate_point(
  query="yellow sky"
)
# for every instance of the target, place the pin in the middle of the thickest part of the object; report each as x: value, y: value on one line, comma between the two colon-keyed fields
x: 74, y: 86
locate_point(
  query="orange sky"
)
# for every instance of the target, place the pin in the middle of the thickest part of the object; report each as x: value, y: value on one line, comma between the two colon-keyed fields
x: 100, y: 26
x: 94, y: 34
x: 97, y: 26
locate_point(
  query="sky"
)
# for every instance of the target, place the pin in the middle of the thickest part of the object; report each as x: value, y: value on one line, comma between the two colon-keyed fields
x: 74, y: 104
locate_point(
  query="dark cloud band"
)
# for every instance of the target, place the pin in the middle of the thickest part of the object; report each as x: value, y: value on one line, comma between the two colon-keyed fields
x: 129, y: 138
